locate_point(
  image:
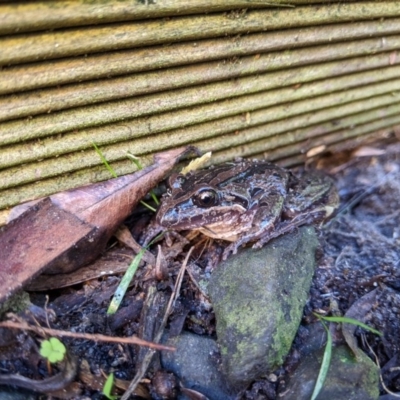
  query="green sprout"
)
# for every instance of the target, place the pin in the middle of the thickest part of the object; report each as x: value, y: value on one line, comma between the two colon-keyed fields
x: 104, y: 161
x: 127, y: 278
x: 108, y: 386
x: 53, y: 350
x: 114, y: 174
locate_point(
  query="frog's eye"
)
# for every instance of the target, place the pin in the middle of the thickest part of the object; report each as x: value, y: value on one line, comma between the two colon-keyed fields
x: 205, y: 198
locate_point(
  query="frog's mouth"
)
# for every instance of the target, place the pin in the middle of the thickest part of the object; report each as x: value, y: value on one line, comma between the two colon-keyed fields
x: 221, y: 218
x: 173, y: 219
x: 219, y: 234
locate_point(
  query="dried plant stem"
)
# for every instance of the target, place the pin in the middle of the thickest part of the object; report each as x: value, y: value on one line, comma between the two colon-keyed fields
x: 86, y: 336
x: 147, y: 358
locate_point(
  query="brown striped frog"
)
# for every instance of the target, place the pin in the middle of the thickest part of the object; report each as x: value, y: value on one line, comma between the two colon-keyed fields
x: 246, y: 202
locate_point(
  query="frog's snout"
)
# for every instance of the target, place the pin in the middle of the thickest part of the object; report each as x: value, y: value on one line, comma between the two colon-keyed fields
x: 167, y: 218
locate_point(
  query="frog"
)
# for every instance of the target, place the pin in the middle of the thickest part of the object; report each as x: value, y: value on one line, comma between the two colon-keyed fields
x: 246, y: 201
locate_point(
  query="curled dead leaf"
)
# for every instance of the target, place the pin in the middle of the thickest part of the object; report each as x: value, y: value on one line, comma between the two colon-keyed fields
x: 61, y: 233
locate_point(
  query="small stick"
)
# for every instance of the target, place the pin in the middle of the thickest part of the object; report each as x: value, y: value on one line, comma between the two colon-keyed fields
x: 148, y: 357
x: 87, y: 336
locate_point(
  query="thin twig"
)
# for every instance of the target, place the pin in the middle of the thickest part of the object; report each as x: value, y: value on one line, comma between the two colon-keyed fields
x: 380, y: 375
x: 87, y: 336
x: 157, y: 337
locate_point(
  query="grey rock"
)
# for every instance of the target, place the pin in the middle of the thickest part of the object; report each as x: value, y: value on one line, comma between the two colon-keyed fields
x: 348, y: 378
x: 13, y: 393
x: 258, y: 298
x: 314, y: 337
x: 196, y: 362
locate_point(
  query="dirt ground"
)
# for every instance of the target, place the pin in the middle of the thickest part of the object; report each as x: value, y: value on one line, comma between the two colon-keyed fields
x: 359, y: 254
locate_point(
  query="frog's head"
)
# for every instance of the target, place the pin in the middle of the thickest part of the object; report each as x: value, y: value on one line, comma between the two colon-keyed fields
x: 199, y: 199
x: 226, y: 201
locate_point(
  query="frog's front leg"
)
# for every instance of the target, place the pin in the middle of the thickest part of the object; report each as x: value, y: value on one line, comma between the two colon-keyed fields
x: 263, y: 222
x: 233, y: 247
x: 283, y: 228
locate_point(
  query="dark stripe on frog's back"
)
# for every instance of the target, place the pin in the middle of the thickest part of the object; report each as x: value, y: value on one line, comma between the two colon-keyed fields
x: 205, y: 178
x: 215, y: 177
x: 223, y: 176
x: 220, y: 176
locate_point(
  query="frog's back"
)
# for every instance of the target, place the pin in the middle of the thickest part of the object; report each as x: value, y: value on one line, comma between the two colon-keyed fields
x: 237, y: 172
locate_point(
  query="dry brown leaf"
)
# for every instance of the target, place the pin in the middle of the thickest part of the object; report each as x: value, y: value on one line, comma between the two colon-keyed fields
x: 67, y: 230
x: 357, y: 311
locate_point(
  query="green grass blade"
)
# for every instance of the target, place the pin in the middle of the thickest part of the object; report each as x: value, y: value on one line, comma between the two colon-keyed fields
x: 126, y: 279
x: 352, y: 321
x: 154, y: 197
x: 104, y: 161
x: 326, y: 361
x: 139, y: 166
x: 124, y: 284
x: 114, y: 174
x: 148, y: 206
x: 135, y: 160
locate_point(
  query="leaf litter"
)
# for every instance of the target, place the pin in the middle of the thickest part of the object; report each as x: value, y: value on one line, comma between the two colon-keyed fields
x: 359, y: 255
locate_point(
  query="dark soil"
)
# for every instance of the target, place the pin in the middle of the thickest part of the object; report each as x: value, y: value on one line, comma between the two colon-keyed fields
x: 359, y: 253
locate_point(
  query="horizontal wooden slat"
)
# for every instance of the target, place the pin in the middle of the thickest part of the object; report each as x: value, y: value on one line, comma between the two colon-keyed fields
x: 266, y: 149
x: 297, y: 156
x: 51, y: 73
x: 44, y: 101
x: 334, y: 106
x: 54, y: 44
x: 57, y: 14
x: 18, y: 131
